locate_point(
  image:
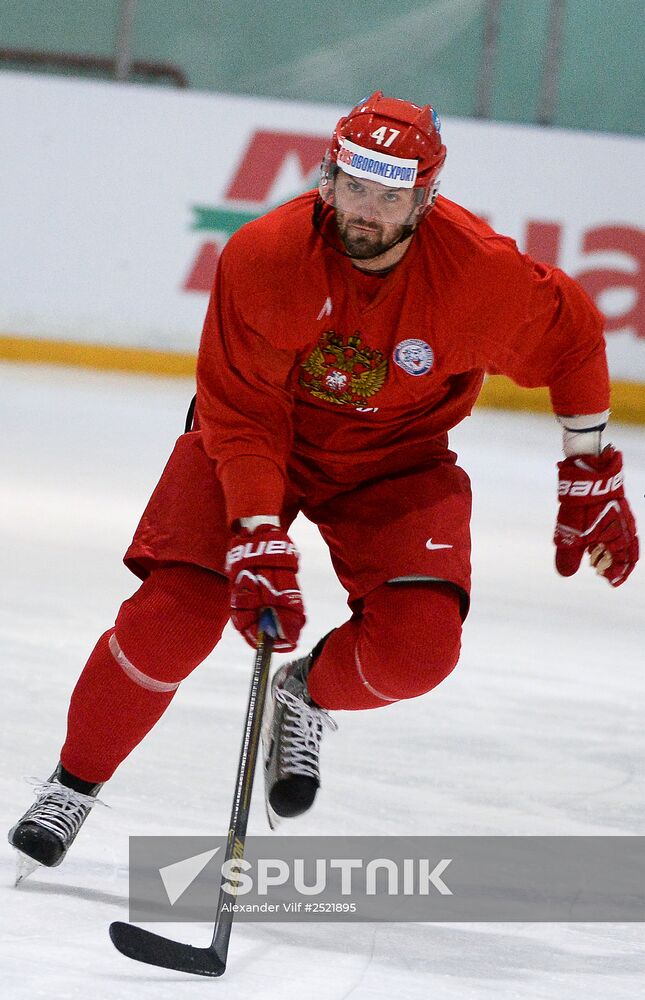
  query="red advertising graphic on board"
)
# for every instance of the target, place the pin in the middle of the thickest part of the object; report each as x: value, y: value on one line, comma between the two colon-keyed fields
x: 248, y: 195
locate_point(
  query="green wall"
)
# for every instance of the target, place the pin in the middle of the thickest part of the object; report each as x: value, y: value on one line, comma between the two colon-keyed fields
x: 337, y: 51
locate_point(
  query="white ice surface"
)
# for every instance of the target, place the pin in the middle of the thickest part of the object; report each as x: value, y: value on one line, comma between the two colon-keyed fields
x: 538, y: 731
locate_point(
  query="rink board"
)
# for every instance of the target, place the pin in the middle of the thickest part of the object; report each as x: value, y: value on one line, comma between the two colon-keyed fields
x: 117, y: 200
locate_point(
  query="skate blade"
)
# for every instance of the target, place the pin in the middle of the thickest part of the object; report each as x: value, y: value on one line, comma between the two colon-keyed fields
x: 25, y: 866
x: 272, y: 817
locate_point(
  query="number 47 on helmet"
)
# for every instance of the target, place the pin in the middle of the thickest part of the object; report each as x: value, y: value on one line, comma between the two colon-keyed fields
x: 389, y: 142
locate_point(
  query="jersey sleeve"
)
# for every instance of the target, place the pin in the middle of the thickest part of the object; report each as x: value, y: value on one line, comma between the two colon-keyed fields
x: 549, y: 333
x: 244, y: 405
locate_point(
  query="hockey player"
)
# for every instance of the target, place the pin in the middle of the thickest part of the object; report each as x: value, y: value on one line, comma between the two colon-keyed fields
x: 347, y: 332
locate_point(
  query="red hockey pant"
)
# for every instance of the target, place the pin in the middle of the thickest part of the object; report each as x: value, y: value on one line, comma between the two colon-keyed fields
x: 404, y: 641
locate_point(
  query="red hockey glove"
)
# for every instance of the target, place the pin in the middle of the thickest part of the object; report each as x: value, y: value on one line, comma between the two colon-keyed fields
x: 262, y: 566
x: 594, y: 516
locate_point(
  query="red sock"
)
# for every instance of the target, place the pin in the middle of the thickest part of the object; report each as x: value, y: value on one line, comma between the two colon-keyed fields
x: 405, y: 642
x: 161, y: 634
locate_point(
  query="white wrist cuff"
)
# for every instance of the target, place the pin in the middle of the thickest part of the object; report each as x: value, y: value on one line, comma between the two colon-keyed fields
x: 251, y: 523
x: 582, y: 434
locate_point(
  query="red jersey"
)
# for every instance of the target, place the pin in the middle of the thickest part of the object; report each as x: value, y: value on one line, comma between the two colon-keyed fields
x: 303, y: 356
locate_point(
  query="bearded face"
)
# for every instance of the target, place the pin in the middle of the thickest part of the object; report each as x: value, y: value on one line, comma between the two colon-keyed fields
x: 372, y: 217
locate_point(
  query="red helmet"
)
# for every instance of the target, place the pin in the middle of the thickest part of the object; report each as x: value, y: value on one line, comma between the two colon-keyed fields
x: 392, y: 142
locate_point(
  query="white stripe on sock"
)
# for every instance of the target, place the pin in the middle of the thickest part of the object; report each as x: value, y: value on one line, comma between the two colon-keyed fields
x: 135, y: 674
x: 361, y: 674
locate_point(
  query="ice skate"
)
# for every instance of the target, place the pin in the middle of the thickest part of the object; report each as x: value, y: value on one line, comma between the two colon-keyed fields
x: 47, y: 830
x: 291, y: 736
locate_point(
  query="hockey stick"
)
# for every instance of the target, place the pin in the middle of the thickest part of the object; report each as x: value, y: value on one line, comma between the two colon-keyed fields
x: 144, y: 946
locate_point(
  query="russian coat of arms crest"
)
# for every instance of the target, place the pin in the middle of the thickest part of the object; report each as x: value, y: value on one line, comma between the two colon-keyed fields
x: 342, y: 370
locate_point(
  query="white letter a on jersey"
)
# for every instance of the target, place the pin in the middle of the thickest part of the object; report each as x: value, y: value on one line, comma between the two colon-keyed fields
x: 326, y: 309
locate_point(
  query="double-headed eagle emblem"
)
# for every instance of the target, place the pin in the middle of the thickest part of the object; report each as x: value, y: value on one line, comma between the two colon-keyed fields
x: 341, y: 370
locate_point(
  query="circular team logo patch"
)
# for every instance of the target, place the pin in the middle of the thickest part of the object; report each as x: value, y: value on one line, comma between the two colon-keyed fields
x: 414, y: 356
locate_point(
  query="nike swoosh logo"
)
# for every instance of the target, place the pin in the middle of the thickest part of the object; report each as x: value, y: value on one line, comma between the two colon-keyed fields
x: 434, y: 545
x: 180, y: 876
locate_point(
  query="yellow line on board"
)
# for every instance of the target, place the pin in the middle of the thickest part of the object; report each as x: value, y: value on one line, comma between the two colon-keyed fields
x: 102, y: 356
x: 627, y: 398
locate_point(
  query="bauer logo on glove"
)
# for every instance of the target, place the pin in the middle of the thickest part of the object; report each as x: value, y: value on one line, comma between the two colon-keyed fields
x: 252, y: 550
x: 262, y: 566
x: 587, y: 487
x: 595, y: 516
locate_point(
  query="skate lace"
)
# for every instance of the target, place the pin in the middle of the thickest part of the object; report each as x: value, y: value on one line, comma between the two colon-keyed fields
x: 59, y: 808
x: 302, y: 730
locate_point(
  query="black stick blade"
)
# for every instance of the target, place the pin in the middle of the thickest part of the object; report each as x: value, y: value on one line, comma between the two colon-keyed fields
x: 144, y: 946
